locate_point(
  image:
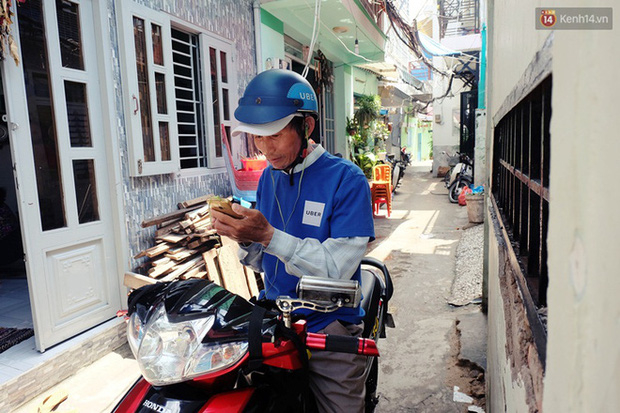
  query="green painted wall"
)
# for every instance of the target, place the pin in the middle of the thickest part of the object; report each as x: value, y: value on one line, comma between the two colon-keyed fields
x: 343, y: 106
x: 364, y: 83
x: 272, y: 46
x: 420, y: 147
x: 272, y: 38
x: 271, y: 21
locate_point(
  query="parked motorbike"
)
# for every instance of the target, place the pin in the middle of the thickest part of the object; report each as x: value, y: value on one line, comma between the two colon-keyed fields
x: 201, y: 348
x: 460, y: 176
x: 398, y: 166
x: 452, y: 161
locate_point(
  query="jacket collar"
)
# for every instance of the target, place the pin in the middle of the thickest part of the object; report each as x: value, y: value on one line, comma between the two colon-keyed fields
x: 312, y: 157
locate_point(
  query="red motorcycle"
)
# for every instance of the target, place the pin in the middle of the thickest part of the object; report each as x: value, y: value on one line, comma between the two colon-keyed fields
x: 201, y: 348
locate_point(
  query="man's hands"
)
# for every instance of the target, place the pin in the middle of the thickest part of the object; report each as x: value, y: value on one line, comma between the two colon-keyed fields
x: 251, y: 227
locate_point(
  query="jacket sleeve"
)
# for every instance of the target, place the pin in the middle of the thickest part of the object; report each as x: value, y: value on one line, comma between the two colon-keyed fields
x: 333, y: 258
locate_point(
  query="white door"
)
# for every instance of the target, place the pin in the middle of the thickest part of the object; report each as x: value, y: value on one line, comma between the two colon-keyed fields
x: 55, y: 110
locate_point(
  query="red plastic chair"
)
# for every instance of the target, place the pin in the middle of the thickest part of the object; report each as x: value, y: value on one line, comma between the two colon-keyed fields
x: 382, y: 173
x: 381, y: 188
x: 381, y: 194
x: 243, y: 183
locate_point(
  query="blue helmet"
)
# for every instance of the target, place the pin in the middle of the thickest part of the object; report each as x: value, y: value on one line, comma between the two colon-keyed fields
x: 275, y: 94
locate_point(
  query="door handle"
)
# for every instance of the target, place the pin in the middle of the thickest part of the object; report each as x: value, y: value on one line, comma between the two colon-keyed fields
x: 13, y: 125
x: 137, y: 107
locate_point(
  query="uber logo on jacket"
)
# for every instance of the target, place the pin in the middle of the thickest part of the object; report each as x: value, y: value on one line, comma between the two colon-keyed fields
x: 313, y: 212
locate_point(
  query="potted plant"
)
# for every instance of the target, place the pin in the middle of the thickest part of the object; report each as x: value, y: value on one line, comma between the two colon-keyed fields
x: 368, y: 109
x: 351, y: 126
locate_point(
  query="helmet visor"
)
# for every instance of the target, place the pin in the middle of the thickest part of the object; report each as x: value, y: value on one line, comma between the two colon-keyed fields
x: 264, y: 129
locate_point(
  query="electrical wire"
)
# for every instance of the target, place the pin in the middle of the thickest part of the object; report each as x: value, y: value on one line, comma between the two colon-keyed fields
x: 352, y: 52
x: 328, y: 29
x: 315, y: 35
x: 410, y: 37
x: 410, y: 33
x: 285, y: 223
x: 427, y: 103
x: 422, y: 9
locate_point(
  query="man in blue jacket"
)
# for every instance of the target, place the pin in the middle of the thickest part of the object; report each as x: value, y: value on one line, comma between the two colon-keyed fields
x: 313, y: 216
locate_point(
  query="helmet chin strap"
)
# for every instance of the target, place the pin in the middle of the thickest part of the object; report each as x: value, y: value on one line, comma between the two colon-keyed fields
x: 303, y: 152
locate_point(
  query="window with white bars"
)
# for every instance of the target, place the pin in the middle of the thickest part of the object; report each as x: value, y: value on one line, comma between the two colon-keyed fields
x: 179, y: 88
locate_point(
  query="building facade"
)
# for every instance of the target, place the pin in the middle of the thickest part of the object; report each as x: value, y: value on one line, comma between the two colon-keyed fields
x: 347, y: 33
x: 110, y: 113
x: 458, y: 30
x: 551, y: 261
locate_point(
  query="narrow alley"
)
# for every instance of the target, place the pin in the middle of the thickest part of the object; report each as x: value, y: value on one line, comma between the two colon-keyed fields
x: 421, y: 361
x: 422, y: 358
x: 121, y: 121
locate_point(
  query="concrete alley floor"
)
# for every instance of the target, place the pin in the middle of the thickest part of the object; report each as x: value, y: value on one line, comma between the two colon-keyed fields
x: 421, y: 359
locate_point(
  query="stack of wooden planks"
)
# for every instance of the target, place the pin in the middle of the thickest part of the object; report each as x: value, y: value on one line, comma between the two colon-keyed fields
x: 187, y: 247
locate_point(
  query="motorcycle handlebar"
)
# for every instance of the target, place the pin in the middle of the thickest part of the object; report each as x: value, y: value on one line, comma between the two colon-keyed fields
x: 342, y: 344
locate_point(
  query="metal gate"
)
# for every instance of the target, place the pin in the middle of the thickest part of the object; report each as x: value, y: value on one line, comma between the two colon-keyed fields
x: 469, y: 103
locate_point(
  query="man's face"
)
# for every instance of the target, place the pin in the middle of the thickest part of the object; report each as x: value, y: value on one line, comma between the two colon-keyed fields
x: 280, y: 149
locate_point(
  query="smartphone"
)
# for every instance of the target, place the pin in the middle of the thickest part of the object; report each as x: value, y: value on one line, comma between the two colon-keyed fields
x: 242, y: 202
x: 224, y: 206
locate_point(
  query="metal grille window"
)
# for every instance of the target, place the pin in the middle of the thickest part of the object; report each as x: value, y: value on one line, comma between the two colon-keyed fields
x: 329, y: 133
x: 458, y: 17
x: 521, y: 183
x: 189, y: 99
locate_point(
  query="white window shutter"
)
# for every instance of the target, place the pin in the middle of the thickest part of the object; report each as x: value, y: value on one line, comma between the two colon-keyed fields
x: 144, y: 159
x: 222, y: 111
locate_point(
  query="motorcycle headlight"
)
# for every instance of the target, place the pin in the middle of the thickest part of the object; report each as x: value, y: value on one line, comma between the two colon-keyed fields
x: 135, y: 330
x: 169, y: 353
x: 214, y: 357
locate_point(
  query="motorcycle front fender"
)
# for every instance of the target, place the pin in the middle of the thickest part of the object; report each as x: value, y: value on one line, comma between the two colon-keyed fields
x: 454, y: 174
x: 230, y: 402
x: 144, y: 398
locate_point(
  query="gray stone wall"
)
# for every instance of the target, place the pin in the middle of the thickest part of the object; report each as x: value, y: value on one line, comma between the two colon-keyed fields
x: 145, y: 197
x: 37, y: 380
x: 514, y: 375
